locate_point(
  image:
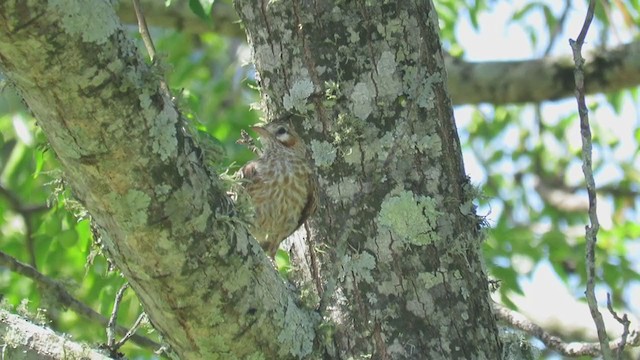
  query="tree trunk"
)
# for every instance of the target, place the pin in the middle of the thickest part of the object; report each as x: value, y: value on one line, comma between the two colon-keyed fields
x: 166, y: 221
x: 364, y: 82
x: 401, y: 273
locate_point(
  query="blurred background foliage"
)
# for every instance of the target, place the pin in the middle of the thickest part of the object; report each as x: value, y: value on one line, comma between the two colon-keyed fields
x: 525, y: 158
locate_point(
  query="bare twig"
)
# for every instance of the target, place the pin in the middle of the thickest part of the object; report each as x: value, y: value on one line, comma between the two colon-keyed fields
x: 573, y: 349
x: 60, y: 294
x: 142, y: 317
x: 144, y: 30
x: 148, y: 42
x: 624, y: 320
x: 592, y: 229
x: 111, y: 326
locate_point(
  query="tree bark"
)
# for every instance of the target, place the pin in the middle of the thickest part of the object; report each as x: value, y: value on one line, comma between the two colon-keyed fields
x: 364, y: 82
x: 546, y: 79
x: 22, y: 340
x: 165, y: 218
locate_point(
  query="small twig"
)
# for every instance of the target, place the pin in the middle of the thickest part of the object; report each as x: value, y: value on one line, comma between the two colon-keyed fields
x: 625, y: 322
x: 148, y: 42
x: 144, y: 30
x: 111, y: 326
x: 131, y: 332
x: 587, y: 169
x: 60, y: 294
x: 573, y: 349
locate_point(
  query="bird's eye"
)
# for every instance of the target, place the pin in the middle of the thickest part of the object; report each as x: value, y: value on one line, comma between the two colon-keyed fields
x: 281, y: 131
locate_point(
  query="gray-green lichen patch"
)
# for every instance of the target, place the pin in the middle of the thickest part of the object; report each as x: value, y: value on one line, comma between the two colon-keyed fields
x: 162, y: 190
x: 90, y: 20
x: 391, y: 286
x: 410, y: 218
x: 132, y: 207
x: 352, y: 156
x: 163, y: 133
x: 93, y: 77
x: 359, y: 266
x: 343, y: 190
x: 199, y: 223
x: 256, y: 356
x: 298, y: 94
x: 323, y: 153
x: 362, y: 100
x: 239, y: 279
x: 430, y: 144
x: 386, y: 83
x: 181, y: 206
x: 426, y: 97
x: 297, y: 334
x: 266, y: 59
x: 242, y: 241
x: 515, y: 345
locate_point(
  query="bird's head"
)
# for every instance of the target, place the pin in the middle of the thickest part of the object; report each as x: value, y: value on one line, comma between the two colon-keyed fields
x: 277, y: 134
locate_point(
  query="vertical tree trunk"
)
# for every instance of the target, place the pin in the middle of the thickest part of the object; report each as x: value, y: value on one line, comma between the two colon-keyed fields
x: 365, y: 83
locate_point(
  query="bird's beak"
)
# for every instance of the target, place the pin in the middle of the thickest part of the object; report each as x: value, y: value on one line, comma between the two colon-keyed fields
x: 260, y: 130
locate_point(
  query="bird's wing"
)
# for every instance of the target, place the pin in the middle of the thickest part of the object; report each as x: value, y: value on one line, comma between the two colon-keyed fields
x: 312, y: 200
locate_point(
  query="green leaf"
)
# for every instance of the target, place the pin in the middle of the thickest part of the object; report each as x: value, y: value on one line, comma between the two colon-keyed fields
x: 518, y: 15
x: 68, y: 238
x: 202, y: 8
x: 39, y: 158
x: 616, y: 100
x: 282, y: 262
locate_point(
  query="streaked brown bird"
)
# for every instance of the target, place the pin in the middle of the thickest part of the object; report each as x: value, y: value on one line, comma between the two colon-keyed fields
x: 282, y: 185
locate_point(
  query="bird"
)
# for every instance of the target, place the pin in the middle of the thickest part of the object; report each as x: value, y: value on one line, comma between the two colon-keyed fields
x: 281, y: 184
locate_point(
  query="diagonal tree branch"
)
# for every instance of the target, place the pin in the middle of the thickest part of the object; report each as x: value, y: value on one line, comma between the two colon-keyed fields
x: 22, y: 339
x: 58, y: 293
x: 165, y: 219
x: 573, y: 349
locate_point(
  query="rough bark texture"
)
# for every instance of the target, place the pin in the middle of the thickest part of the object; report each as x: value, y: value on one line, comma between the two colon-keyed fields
x: 22, y: 340
x: 166, y: 220
x: 365, y: 83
